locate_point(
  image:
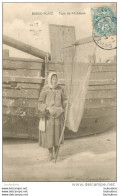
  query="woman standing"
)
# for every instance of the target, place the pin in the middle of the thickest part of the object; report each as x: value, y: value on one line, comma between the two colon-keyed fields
x: 51, y: 105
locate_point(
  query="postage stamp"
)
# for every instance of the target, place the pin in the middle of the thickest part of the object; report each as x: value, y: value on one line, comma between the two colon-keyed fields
x: 104, y: 27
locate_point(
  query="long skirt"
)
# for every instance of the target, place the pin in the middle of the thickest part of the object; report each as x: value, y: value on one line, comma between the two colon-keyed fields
x: 53, y: 128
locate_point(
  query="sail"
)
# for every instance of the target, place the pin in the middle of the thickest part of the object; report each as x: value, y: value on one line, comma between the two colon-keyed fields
x: 77, y: 76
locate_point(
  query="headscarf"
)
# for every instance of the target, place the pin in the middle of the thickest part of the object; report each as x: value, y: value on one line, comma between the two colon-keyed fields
x: 49, y: 79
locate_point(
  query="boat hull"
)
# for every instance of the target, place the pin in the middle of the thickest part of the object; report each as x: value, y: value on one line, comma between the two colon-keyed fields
x: 22, y: 83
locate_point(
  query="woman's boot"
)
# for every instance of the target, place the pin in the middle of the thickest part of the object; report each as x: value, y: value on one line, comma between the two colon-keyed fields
x: 50, y: 154
x: 55, y: 151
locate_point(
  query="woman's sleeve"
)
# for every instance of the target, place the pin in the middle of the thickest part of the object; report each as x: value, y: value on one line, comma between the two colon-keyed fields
x: 41, y: 102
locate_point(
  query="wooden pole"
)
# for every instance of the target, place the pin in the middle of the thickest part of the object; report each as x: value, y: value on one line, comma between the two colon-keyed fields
x: 25, y: 47
x: 67, y: 107
x: 63, y: 129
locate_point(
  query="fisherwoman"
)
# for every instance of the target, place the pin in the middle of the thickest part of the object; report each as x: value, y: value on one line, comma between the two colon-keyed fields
x: 52, y: 102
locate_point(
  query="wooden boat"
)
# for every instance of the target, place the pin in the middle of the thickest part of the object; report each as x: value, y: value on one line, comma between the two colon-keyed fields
x: 23, y: 80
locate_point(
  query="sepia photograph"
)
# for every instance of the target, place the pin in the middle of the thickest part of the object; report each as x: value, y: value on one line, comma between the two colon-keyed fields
x: 59, y: 90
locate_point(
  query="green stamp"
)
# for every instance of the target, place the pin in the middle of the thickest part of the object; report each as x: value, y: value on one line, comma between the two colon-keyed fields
x: 104, y: 27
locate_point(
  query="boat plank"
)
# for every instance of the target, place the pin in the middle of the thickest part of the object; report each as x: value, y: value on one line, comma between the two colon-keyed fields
x: 7, y: 79
x: 102, y: 87
x: 92, y: 122
x: 29, y: 93
x: 102, y: 81
x: 98, y: 112
x: 20, y: 102
x: 99, y: 103
x: 105, y: 64
x: 22, y: 73
x: 98, y: 94
x: 21, y: 85
x: 55, y: 67
x: 12, y: 64
x: 20, y: 111
x: 103, y: 75
x: 108, y: 68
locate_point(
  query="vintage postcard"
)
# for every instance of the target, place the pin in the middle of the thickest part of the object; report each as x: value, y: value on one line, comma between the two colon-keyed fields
x: 59, y: 69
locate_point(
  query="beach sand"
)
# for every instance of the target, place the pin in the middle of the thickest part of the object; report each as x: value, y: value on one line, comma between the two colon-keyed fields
x: 91, y: 158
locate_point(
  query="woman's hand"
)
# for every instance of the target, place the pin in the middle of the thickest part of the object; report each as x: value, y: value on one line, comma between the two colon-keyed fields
x: 51, y: 110
x: 48, y: 108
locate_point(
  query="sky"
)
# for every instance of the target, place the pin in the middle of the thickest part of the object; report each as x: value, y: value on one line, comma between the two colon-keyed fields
x: 20, y: 24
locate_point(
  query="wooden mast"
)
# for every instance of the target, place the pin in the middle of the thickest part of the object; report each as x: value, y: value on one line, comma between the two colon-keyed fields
x: 25, y: 47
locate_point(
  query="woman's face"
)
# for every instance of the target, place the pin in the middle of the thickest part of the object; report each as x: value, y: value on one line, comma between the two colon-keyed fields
x: 54, y: 80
